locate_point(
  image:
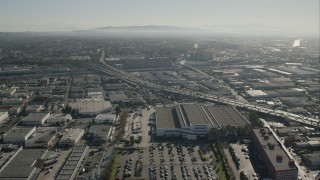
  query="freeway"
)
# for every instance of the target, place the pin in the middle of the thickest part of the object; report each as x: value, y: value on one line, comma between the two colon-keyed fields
x: 104, y: 67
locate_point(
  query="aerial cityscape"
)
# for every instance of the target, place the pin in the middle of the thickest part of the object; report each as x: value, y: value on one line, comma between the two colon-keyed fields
x: 177, y: 101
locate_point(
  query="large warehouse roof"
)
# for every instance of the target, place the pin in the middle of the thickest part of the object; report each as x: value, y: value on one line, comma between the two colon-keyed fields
x: 181, y: 116
x: 24, y: 161
x: 166, y: 118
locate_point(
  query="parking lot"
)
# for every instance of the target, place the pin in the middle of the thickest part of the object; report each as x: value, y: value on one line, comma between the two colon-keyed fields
x: 89, y: 165
x: 165, y: 161
x: 244, y: 159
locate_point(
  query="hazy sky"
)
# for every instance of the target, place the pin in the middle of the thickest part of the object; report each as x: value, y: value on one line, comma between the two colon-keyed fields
x: 22, y: 15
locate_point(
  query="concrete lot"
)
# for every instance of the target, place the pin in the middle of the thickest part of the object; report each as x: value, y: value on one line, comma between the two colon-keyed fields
x: 145, y: 127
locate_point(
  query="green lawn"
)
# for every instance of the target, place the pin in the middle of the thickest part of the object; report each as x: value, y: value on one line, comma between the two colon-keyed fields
x: 115, y: 165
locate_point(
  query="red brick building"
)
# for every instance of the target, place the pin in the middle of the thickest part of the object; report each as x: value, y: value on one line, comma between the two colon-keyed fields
x: 278, y: 163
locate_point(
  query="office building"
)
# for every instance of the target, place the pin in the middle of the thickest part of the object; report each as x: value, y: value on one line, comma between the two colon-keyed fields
x: 278, y: 163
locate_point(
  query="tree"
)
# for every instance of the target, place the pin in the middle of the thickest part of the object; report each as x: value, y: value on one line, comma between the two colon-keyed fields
x: 118, y: 110
x: 254, y: 119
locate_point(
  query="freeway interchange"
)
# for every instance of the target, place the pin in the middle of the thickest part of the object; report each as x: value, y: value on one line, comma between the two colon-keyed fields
x: 104, y: 67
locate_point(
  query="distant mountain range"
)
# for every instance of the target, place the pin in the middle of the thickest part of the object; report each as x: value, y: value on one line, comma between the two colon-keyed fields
x: 143, y: 28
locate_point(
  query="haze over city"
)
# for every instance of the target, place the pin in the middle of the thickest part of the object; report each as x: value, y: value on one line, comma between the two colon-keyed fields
x: 159, y: 90
x: 277, y: 16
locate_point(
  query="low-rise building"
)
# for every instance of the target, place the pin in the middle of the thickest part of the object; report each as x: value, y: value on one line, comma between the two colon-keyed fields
x: 71, y: 137
x: 90, y: 107
x: 107, y: 118
x: 23, y: 165
x: 100, y: 132
x: 256, y: 94
x: 118, y: 97
x: 19, y: 134
x: 72, y: 165
x: 58, y: 119
x: 312, y: 160
x: 11, y: 101
x: 35, y: 119
x: 3, y: 117
x: 34, y: 109
x: 191, y: 120
x: 42, y: 138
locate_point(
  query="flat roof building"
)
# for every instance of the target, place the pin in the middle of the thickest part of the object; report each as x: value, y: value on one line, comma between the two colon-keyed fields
x: 278, y: 163
x: 191, y: 120
x: 71, y: 167
x: 107, y: 118
x: 100, y: 132
x: 118, y: 97
x: 90, y: 107
x: 19, y: 134
x: 256, y: 94
x: 3, y: 116
x: 312, y: 160
x: 35, y: 119
x: 42, y: 137
x: 22, y: 165
x: 71, y: 137
x: 58, y: 119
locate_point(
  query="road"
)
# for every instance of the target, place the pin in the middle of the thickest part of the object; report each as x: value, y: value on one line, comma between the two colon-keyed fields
x: 104, y: 67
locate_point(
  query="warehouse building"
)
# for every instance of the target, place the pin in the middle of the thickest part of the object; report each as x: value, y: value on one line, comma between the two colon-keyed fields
x: 107, y: 118
x: 312, y: 160
x: 23, y: 165
x: 278, y: 163
x: 19, y: 134
x: 90, y: 107
x: 256, y: 94
x: 35, y: 119
x: 191, y: 120
x: 42, y: 138
x: 58, y: 119
x: 3, y: 117
x: 100, y: 133
x: 71, y: 137
x: 71, y: 167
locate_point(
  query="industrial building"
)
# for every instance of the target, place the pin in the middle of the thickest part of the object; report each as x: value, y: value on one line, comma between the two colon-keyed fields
x: 107, y: 118
x: 100, y: 133
x: 42, y: 138
x: 191, y: 120
x: 35, y: 119
x: 3, y: 117
x: 71, y: 167
x: 118, y: 97
x: 256, y: 94
x: 90, y: 107
x: 33, y: 108
x: 278, y: 163
x: 19, y: 134
x: 71, y: 137
x: 312, y: 160
x: 58, y: 119
x: 23, y: 165
x: 267, y: 94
